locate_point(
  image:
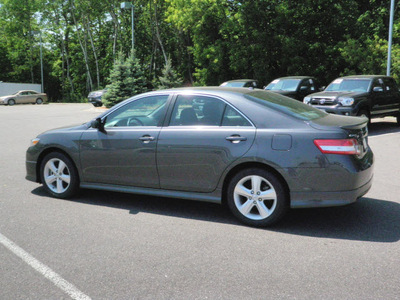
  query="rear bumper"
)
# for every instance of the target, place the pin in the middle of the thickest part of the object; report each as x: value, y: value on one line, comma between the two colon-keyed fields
x: 326, y: 199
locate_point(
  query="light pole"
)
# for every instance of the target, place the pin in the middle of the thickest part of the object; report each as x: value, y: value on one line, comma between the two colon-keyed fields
x: 390, y: 38
x: 127, y: 5
x: 41, y: 59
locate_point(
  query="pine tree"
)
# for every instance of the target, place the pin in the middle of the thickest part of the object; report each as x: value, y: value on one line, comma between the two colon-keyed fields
x: 127, y: 79
x: 169, y: 78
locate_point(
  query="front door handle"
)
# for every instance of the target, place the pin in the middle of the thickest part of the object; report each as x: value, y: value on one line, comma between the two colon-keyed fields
x: 147, y: 139
x: 236, y: 138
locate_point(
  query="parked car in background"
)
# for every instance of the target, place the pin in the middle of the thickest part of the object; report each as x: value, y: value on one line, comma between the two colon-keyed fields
x: 371, y: 96
x: 257, y: 151
x: 95, y: 97
x: 23, y: 97
x: 241, y: 83
x: 296, y: 87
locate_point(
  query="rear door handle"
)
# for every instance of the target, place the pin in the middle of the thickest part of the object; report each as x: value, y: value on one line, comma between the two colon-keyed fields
x: 147, y: 138
x: 236, y: 138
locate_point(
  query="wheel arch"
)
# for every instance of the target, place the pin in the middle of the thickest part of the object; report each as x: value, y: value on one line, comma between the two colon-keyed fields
x: 43, y: 155
x: 247, y: 165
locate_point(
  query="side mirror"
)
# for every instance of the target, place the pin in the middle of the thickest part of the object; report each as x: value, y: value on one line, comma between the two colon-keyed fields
x: 377, y: 89
x: 99, y: 124
x: 303, y: 88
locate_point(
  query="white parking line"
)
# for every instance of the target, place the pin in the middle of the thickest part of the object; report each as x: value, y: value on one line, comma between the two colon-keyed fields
x: 48, y: 273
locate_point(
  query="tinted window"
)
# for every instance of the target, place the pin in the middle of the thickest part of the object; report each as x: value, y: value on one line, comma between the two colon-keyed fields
x: 288, y: 106
x: 147, y: 111
x: 233, y: 118
x: 197, y: 110
x: 390, y: 84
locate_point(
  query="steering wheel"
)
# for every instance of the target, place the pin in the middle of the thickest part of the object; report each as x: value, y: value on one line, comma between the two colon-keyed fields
x: 134, y: 122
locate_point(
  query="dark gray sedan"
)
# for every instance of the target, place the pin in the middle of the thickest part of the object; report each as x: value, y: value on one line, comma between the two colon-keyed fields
x: 259, y: 152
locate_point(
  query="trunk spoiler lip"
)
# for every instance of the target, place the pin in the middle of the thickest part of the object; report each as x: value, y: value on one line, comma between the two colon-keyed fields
x: 360, y: 125
x: 332, y: 121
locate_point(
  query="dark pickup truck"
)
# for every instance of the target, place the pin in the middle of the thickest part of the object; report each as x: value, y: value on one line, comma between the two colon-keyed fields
x: 372, y: 96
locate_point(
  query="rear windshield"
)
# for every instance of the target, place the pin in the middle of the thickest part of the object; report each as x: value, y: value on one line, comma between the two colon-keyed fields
x: 286, y: 105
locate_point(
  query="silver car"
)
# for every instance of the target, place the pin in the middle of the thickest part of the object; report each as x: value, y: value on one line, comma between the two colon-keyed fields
x: 257, y: 151
x: 23, y: 97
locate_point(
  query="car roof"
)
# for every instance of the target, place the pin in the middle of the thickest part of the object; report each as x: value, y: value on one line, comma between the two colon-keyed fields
x: 240, y: 80
x: 365, y: 76
x: 210, y: 89
x: 295, y: 77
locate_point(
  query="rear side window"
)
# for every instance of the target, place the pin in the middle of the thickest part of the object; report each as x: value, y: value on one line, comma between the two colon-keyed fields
x: 195, y: 110
x: 290, y: 107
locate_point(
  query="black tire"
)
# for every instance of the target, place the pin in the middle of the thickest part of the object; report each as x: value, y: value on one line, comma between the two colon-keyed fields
x: 255, y: 209
x: 398, y: 119
x: 39, y: 101
x: 11, y: 102
x: 59, y: 176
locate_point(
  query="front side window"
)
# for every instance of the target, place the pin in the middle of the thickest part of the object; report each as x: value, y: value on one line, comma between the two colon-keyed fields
x: 147, y: 111
x: 390, y: 84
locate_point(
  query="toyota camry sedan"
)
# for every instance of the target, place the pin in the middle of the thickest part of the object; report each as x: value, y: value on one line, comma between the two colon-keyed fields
x: 258, y: 152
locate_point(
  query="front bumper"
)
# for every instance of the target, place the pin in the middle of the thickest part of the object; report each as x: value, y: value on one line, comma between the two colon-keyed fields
x: 338, y: 110
x: 31, y: 173
x: 95, y: 100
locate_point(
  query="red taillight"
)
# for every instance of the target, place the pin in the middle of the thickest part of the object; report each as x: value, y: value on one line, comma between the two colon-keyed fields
x: 347, y: 146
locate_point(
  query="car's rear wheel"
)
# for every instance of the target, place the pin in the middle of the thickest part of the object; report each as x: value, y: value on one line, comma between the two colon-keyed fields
x: 58, y: 175
x: 39, y: 101
x: 257, y: 197
x: 11, y: 102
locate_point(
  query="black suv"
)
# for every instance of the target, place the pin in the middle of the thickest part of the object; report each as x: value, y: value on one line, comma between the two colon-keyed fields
x: 371, y: 96
x: 296, y: 87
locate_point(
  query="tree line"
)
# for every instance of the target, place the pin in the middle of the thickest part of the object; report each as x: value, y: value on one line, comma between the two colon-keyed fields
x: 204, y: 42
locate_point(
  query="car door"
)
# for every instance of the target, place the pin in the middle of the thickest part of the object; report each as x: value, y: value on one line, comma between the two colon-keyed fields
x: 204, y: 136
x: 392, y: 95
x: 22, y: 97
x: 124, y: 153
x: 378, y: 97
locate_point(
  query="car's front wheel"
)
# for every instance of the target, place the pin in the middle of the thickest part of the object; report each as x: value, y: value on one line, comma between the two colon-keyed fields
x: 58, y: 175
x: 257, y: 197
x: 11, y: 102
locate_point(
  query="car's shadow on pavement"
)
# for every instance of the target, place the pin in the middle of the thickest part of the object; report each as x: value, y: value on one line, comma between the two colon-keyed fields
x: 368, y: 219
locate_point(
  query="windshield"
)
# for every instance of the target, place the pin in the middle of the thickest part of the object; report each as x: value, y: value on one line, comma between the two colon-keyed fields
x: 289, y: 85
x: 288, y: 106
x: 349, y: 85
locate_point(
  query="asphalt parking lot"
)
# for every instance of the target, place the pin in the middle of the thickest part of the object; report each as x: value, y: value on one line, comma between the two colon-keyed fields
x: 104, y: 245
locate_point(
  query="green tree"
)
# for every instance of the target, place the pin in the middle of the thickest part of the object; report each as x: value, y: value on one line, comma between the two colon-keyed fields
x: 126, y: 79
x: 169, y: 78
